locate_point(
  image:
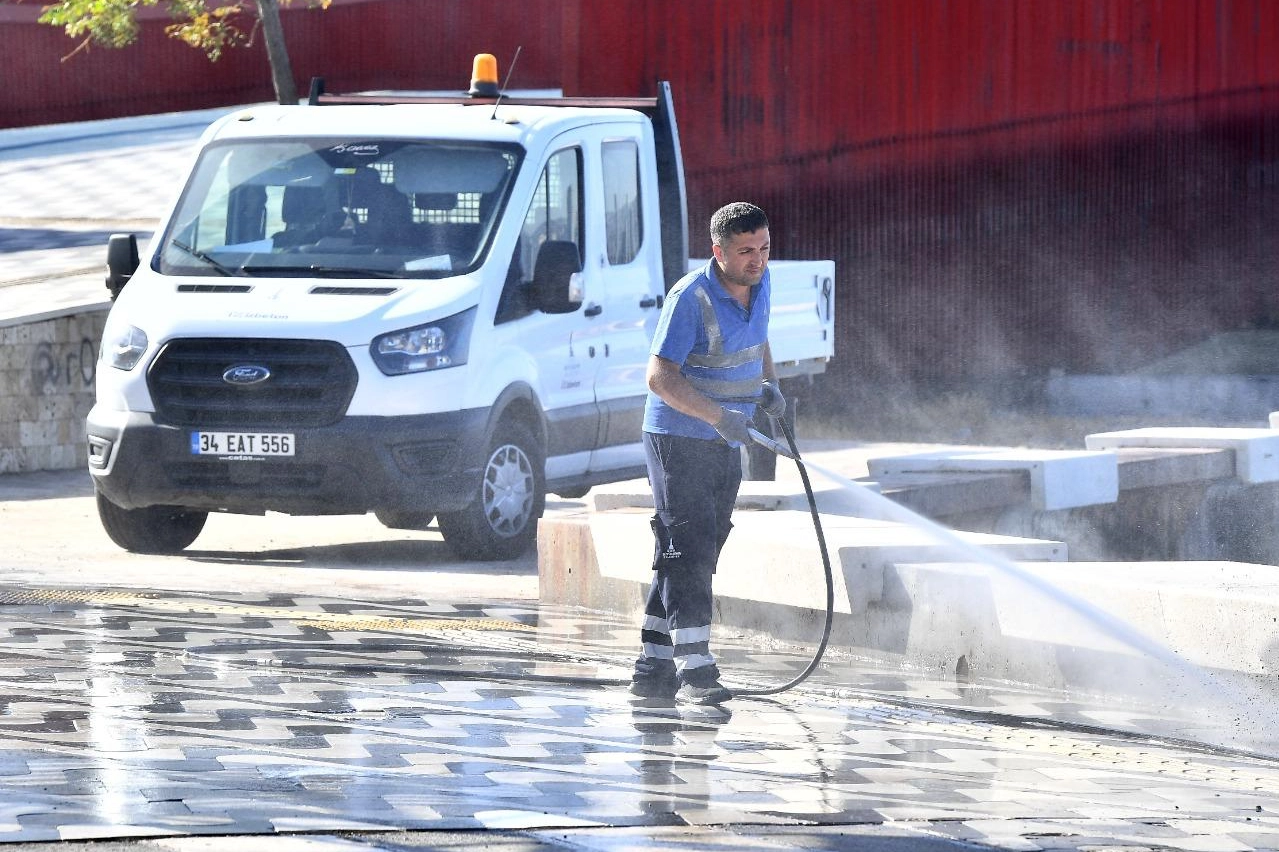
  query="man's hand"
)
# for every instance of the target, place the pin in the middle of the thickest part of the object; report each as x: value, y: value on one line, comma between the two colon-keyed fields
x: 733, y: 426
x: 772, y: 401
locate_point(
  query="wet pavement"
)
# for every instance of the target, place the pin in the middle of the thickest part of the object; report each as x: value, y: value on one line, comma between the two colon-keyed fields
x: 137, y: 713
x: 322, y: 684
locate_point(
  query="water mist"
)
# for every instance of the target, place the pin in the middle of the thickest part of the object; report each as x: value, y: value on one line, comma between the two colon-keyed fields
x: 1172, y: 696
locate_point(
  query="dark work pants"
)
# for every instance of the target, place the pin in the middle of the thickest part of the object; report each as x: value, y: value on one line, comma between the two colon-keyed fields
x: 694, y: 486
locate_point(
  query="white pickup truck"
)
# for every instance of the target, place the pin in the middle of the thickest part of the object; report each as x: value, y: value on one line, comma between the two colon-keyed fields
x: 430, y: 308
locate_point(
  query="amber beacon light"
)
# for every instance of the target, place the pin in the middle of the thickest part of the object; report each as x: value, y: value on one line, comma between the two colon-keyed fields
x: 484, y: 76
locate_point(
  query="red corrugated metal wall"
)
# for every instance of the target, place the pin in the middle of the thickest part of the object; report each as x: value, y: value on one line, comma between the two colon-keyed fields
x: 1008, y: 188
x: 355, y: 44
x: 797, y: 78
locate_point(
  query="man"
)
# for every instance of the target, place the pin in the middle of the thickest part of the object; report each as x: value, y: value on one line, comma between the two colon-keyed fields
x: 710, y: 352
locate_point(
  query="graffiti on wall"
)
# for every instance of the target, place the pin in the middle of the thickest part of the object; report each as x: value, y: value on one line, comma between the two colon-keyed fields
x: 63, y: 367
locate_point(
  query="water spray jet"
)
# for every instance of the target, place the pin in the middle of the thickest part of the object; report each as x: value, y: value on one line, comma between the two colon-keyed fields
x: 1228, y: 712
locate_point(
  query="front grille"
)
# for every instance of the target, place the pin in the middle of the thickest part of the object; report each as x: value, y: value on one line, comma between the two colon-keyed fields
x: 259, y: 477
x: 311, y: 383
x: 214, y: 288
x: 352, y: 291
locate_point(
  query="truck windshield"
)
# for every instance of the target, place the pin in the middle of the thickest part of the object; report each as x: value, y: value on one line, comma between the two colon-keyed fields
x: 352, y: 208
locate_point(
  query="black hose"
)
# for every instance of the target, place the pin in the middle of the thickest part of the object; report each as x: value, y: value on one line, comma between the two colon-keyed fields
x: 830, y: 579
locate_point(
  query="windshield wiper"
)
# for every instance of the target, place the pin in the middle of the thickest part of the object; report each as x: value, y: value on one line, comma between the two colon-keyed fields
x: 207, y: 258
x: 317, y: 269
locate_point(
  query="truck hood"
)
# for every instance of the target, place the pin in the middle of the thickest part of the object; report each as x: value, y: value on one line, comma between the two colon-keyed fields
x: 349, y: 311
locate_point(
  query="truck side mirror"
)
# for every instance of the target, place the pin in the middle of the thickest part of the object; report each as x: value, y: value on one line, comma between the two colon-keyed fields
x: 122, y: 261
x: 554, y: 288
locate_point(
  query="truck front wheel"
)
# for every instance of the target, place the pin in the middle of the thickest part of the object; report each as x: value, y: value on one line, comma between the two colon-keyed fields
x: 501, y: 522
x: 154, y: 529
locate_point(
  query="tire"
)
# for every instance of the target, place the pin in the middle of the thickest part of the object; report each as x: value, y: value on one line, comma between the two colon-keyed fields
x: 501, y: 522
x: 155, y: 529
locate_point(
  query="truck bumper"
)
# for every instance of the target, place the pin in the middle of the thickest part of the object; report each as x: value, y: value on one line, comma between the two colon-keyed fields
x: 419, y: 463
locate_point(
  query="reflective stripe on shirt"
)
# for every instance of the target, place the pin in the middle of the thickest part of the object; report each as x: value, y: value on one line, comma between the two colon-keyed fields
x: 718, y: 343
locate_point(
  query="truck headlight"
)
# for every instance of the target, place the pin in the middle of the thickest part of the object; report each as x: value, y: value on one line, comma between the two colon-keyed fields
x: 434, y: 346
x: 123, y: 345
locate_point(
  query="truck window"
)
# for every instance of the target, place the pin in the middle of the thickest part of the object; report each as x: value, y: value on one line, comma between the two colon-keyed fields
x: 623, y: 228
x: 555, y: 214
x: 556, y: 211
x: 367, y: 208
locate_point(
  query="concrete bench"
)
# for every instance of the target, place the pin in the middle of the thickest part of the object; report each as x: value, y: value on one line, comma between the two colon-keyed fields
x: 1256, y: 451
x: 754, y: 495
x: 1059, y: 479
x: 603, y: 560
x: 1106, y: 627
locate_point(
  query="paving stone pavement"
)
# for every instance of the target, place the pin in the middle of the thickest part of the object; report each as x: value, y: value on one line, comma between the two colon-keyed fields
x: 128, y: 713
x: 238, y: 721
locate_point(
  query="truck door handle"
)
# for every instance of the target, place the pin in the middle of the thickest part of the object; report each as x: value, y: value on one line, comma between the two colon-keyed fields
x: 594, y: 310
x: 649, y: 302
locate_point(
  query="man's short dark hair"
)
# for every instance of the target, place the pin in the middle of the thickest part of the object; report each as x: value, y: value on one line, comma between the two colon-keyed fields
x: 738, y: 217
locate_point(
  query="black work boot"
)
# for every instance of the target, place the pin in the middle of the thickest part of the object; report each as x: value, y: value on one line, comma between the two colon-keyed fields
x: 654, y: 679
x: 702, y: 686
x: 716, y: 693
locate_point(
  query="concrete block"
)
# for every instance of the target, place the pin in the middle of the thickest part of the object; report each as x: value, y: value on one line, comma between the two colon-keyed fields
x: 1128, y: 629
x: 1256, y: 450
x: 43, y: 332
x: 939, y: 495
x: 55, y: 408
x: 905, y: 594
x: 1216, y: 615
x: 35, y: 433
x: 1141, y: 467
x: 1059, y: 479
x: 1050, y: 624
x: 754, y: 495
x: 67, y: 457
x: 12, y: 359
x: 774, y: 556
x: 32, y: 458
x: 18, y: 407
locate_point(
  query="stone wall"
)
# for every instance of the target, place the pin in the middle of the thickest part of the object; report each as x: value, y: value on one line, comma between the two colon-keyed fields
x: 47, y: 370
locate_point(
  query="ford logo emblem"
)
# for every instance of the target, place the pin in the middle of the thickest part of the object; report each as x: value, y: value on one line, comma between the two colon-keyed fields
x: 246, y: 374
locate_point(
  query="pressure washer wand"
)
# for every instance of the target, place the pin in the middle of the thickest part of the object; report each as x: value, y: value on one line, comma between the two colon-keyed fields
x: 769, y: 444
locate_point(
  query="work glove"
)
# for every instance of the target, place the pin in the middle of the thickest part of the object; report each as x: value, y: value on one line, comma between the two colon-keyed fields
x: 772, y: 401
x: 733, y: 426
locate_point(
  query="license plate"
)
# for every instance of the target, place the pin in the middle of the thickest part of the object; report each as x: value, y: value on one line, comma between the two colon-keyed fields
x: 242, y: 444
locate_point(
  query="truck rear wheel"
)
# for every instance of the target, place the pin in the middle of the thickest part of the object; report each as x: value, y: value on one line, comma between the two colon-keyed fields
x: 501, y: 523
x: 154, y: 529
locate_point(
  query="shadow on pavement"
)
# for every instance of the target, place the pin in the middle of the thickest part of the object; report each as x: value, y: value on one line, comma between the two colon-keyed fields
x: 400, y: 555
x: 46, y: 485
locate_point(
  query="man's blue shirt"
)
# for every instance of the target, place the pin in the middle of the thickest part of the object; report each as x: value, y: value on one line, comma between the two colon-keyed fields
x: 681, y: 332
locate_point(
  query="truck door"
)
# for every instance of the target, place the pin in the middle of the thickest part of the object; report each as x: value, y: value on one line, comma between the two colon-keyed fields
x: 565, y: 366
x: 623, y: 287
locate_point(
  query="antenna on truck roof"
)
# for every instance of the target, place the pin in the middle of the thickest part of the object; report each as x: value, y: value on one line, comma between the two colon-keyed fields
x: 484, y: 78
